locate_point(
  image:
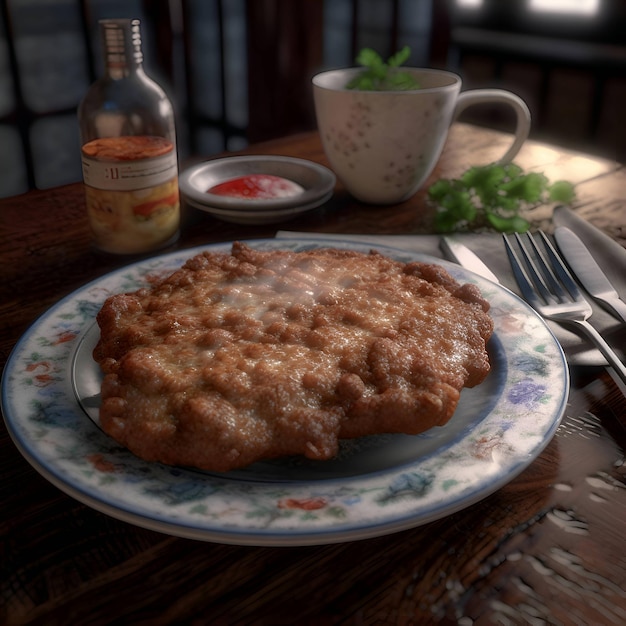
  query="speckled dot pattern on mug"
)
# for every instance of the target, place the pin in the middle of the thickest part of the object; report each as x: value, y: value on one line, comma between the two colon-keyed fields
x: 382, y: 145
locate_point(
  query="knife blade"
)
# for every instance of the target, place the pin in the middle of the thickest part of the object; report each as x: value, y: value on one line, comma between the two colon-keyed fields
x: 588, y: 272
x: 461, y: 254
x: 613, y: 254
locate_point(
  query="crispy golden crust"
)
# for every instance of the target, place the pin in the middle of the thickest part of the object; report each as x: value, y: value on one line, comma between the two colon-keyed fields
x: 253, y: 355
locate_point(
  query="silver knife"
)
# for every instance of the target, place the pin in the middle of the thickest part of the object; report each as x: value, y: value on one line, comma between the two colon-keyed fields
x: 462, y: 255
x: 588, y: 271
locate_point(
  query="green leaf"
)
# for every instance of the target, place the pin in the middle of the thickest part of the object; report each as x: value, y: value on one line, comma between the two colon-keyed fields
x: 483, y: 176
x: 515, y: 224
x: 515, y: 188
x: 455, y: 208
x: 445, y: 222
x: 381, y: 76
x: 512, y: 170
x: 460, y: 204
x: 562, y: 191
x: 439, y: 189
x: 485, y: 181
x: 535, y: 186
x: 401, y: 81
x: 362, y: 82
x: 506, y: 204
x: 400, y: 57
x: 369, y: 58
x: 455, y: 201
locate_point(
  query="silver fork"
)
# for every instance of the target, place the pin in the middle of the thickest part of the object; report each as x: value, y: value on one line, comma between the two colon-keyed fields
x: 549, y: 288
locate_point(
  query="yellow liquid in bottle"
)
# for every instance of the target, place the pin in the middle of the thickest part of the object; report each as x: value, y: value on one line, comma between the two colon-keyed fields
x: 131, y: 191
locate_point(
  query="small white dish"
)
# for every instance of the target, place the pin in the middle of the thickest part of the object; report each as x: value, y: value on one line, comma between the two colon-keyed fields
x: 259, y: 216
x: 316, y: 180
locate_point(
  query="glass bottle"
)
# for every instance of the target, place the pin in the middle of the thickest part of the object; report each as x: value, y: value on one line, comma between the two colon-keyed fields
x: 128, y: 149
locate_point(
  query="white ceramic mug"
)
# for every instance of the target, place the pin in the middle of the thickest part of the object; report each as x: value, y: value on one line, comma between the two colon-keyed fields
x: 383, y: 145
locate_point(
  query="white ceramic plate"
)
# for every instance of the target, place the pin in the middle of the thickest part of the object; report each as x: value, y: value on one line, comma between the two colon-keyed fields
x: 317, y: 181
x: 376, y: 486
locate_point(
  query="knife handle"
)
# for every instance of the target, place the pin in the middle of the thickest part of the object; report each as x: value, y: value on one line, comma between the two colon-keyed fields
x: 617, y: 307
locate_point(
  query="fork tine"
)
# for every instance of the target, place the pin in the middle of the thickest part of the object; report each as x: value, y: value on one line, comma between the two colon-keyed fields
x: 523, y: 281
x: 550, y: 282
x: 560, y: 268
x: 538, y: 276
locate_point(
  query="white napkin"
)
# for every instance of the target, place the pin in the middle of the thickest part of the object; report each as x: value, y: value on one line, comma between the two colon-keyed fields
x: 490, y: 249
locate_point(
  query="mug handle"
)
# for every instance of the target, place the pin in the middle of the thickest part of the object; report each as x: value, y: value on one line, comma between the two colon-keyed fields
x: 481, y: 96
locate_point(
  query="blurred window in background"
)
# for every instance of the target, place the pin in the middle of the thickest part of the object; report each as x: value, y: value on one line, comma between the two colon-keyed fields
x: 470, y: 4
x: 571, y: 7
x: 566, y: 58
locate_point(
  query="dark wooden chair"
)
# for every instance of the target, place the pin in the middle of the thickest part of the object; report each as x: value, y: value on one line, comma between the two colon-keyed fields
x: 20, y: 114
x: 284, y: 49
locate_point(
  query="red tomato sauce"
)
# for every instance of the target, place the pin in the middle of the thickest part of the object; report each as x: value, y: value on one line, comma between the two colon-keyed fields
x: 257, y: 187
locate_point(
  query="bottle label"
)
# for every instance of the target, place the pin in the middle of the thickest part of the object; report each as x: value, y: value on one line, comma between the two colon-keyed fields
x: 132, y: 198
x: 129, y: 175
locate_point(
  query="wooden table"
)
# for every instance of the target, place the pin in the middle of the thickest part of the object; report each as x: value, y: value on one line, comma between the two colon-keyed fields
x: 547, y: 547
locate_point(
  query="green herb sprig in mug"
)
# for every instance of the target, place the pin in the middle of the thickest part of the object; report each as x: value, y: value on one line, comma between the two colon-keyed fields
x: 381, y: 76
x: 494, y: 197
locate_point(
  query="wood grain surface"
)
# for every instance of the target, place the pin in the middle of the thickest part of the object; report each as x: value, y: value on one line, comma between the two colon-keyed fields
x: 548, y: 548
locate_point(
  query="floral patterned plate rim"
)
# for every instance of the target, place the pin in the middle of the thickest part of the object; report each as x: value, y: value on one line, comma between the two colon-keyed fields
x: 376, y: 486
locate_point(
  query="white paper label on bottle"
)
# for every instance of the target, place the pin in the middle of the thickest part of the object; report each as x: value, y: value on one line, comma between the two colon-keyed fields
x: 129, y: 175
